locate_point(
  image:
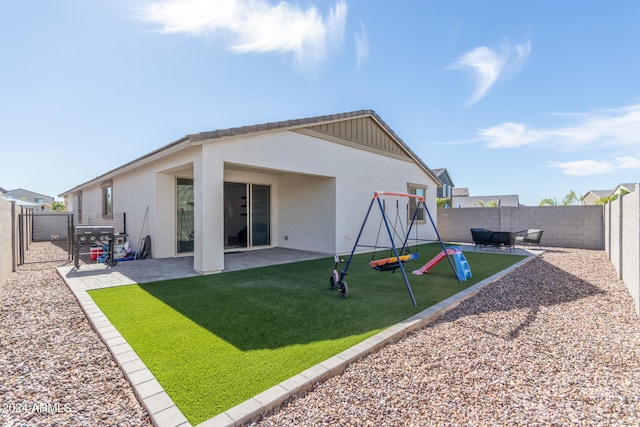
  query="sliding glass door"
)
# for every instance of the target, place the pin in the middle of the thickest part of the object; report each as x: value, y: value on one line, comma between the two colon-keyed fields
x: 260, y: 215
x: 247, y: 215
x: 184, y: 215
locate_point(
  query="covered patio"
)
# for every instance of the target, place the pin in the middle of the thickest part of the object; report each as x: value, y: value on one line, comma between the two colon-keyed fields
x: 98, y: 275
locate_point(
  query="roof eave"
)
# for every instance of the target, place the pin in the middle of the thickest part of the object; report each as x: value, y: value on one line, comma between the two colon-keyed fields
x: 161, y: 152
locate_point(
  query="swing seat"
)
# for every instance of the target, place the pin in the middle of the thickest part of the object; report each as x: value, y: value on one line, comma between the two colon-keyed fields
x: 391, y: 263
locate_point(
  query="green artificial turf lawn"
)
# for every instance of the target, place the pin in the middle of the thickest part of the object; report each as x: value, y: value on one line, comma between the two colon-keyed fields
x: 215, y: 341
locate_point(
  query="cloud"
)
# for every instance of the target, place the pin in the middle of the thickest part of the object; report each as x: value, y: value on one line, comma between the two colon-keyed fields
x: 255, y: 26
x: 611, y: 128
x: 488, y: 65
x: 616, y: 130
x: 362, y: 45
x: 628, y: 162
x: 598, y: 167
x: 584, y: 167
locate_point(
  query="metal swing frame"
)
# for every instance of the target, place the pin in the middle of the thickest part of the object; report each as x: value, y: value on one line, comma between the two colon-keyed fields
x: 419, y: 203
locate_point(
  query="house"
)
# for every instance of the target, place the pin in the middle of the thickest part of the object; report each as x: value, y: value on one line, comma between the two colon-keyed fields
x: 35, y: 201
x: 593, y: 197
x: 299, y: 184
x: 625, y: 188
x: 485, y: 201
x: 460, y: 192
x: 28, y: 196
x: 461, y: 199
x: 447, y: 183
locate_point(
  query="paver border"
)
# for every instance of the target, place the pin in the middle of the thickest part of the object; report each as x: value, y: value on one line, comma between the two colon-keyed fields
x: 165, y: 413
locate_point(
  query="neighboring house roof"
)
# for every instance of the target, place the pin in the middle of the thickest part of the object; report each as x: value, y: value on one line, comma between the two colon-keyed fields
x: 592, y: 196
x: 443, y: 175
x: 630, y: 187
x: 599, y: 193
x: 2, y: 190
x: 484, y: 201
x: 316, y: 126
x: 19, y: 202
x: 32, y: 196
x: 460, y: 192
x: 595, y: 195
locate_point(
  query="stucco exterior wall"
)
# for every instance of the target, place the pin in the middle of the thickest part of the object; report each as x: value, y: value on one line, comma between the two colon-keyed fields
x: 319, y: 160
x: 564, y: 226
x: 147, y: 195
x: 319, y: 192
x: 306, y: 208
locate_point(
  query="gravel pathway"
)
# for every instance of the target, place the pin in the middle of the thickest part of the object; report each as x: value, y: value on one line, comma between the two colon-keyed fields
x: 556, y: 342
x: 55, y: 369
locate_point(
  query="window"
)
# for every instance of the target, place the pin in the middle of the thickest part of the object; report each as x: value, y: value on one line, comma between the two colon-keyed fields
x: 107, y: 200
x: 80, y: 207
x: 446, y: 190
x: 413, y: 203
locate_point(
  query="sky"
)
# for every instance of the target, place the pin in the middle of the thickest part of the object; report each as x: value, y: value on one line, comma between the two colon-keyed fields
x: 533, y: 98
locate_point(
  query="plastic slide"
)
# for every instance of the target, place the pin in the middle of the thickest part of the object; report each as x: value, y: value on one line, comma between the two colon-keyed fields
x: 442, y: 255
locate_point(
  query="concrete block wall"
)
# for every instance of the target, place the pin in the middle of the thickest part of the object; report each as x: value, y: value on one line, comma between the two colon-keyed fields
x: 613, y: 213
x: 8, y: 230
x: 622, y: 225
x: 564, y: 226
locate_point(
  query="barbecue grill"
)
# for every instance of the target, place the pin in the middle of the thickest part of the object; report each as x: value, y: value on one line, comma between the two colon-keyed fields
x: 87, y: 236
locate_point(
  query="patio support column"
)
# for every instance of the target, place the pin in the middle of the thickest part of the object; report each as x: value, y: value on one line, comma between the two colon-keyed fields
x: 208, y: 215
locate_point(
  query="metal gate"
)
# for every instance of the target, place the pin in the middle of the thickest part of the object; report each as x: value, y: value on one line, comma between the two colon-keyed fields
x: 45, y: 237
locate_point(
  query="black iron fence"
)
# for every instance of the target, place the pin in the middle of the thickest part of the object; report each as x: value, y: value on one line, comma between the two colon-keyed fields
x: 48, y: 236
x: 45, y: 236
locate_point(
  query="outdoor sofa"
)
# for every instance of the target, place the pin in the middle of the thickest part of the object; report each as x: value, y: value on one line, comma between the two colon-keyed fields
x: 484, y: 237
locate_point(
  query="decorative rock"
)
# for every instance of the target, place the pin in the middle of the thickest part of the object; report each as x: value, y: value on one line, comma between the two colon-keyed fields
x: 55, y: 368
x: 554, y: 342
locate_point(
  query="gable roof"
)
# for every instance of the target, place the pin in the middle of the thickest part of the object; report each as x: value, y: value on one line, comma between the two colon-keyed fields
x: 601, y: 194
x: 631, y: 187
x: 324, y: 126
x: 598, y: 193
x: 319, y: 126
x: 21, y: 193
x: 443, y: 175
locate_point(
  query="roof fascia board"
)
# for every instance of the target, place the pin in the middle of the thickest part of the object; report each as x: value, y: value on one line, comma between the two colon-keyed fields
x: 290, y: 125
x: 161, y: 152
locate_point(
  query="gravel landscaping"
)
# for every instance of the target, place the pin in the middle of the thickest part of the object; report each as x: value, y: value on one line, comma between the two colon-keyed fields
x: 56, y: 371
x: 556, y: 342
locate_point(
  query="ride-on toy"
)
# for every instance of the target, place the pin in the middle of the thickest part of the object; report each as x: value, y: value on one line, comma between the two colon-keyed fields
x: 335, y: 280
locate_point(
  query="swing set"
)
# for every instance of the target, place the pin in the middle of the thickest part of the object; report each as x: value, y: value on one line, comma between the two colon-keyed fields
x: 398, y: 256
